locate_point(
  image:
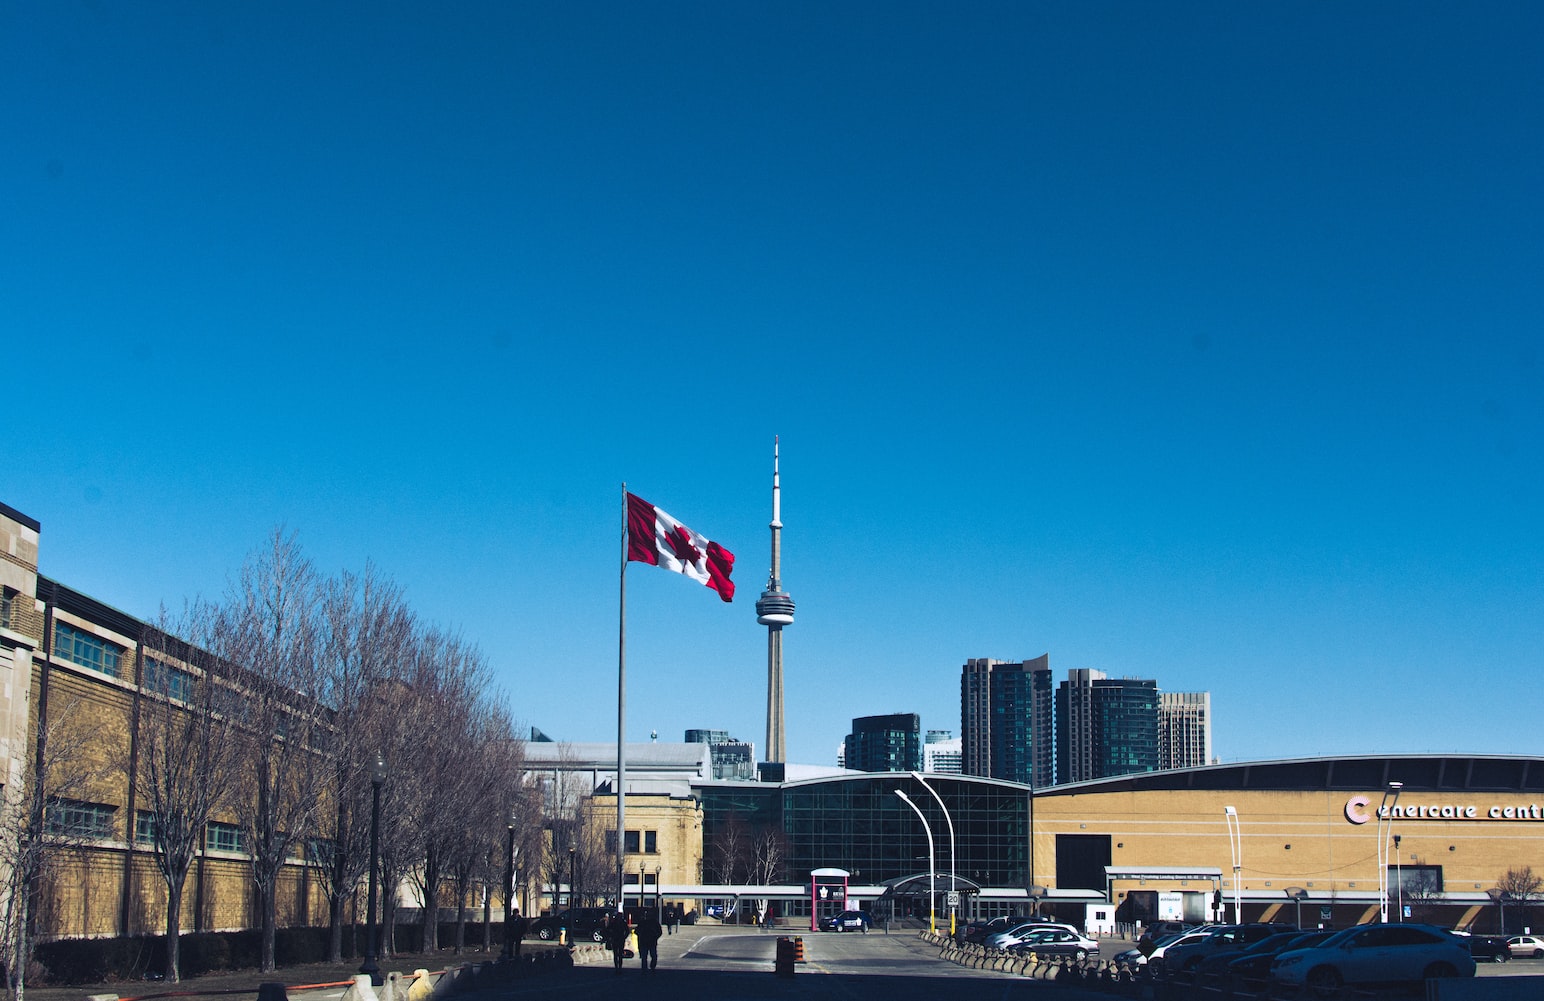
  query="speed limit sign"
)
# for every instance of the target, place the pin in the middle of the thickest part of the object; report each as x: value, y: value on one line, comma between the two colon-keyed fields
x: 953, y: 898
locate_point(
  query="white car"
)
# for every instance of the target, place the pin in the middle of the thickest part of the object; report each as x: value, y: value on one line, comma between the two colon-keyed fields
x: 1058, y: 942
x: 1135, y: 957
x: 1526, y: 945
x: 1018, y: 933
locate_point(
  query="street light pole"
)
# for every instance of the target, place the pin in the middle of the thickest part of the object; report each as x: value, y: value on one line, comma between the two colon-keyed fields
x: 659, y: 895
x: 509, y: 888
x: 1385, y: 827
x: 932, y: 864
x: 573, y: 876
x: 1236, y: 849
x: 953, y: 890
x: 377, y: 778
x: 1399, y: 876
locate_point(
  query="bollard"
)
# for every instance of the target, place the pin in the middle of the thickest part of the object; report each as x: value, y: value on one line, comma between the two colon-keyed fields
x: 784, y: 964
x: 272, y: 992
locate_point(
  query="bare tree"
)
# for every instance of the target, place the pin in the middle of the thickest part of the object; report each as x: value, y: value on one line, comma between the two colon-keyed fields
x: 768, y: 849
x: 186, y: 751
x: 368, y: 628
x: 1519, y: 886
x: 37, y: 825
x: 271, y: 626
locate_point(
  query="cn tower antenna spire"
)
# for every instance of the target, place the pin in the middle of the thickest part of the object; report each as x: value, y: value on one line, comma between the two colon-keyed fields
x: 775, y: 610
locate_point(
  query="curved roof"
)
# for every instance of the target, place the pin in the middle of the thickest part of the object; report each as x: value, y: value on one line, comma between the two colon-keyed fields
x: 1422, y: 772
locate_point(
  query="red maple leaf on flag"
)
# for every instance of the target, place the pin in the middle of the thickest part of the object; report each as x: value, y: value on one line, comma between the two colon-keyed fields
x: 681, y: 545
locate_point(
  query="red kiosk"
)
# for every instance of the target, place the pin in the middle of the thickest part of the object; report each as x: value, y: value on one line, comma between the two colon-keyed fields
x: 828, y: 894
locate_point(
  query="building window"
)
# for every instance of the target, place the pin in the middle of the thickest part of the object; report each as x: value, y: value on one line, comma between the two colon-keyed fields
x: 86, y: 650
x: 648, y: 839
x: 71, y: 818
x: 172, y: 682
x: 144, y: 827
x: 5, y: 608
x: 224, y: 838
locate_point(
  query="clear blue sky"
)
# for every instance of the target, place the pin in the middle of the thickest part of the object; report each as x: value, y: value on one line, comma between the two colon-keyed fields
x: 1190, y: 341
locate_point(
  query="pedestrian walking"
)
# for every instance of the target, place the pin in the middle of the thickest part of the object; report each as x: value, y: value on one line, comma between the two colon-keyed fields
x: 649, y: 932
x: 616, y: 934
x: 672, y: 918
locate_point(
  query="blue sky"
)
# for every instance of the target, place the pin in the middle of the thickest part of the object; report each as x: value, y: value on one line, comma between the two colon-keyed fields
x: 1191, y: 341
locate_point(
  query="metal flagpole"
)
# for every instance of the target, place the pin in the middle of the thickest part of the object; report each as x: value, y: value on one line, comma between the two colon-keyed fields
x: 622, y: 714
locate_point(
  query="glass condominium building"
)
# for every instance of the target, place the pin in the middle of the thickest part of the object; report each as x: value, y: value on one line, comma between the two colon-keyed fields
x: 1005, y: 719
x: 1105, y: 726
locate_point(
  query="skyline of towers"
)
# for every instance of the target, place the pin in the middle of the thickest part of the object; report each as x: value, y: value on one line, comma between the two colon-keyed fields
x: 1014, y: 726
x: 775, y: 610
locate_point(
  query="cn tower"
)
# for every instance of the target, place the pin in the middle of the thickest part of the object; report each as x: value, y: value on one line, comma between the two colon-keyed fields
x: 775, y: 610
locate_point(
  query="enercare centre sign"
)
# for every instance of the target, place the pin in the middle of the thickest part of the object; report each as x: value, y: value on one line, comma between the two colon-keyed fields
x: 1357, y: 811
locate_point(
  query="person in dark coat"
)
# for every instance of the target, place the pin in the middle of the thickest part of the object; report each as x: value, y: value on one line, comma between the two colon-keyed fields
x: 649, y: 932
x: 672, y: 918
x: 517, y: 929
x: 617, y: 931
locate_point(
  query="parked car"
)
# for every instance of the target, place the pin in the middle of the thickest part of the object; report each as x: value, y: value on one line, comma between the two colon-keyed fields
x: 1018, y: 933
x: 1380, y: 954
x: 1230, y: 939
x: 846, y: 921
x: 1526, y: 945
x: 1057, y: 942
x: 978, y: 931
x: 1492, y: 948
x: 1253, y: 965
x: 1161, y: 929
x: 581, y: 922
x: 1134, y: 958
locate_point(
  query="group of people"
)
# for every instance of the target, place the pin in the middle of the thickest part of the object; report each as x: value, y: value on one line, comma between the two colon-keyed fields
x: 648, y: 931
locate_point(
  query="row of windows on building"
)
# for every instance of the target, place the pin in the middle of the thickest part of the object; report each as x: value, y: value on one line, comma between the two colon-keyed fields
x: 77, y: 819
x: 106, y: 657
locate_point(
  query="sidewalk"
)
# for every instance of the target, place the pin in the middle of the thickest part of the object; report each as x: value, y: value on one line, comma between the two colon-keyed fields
x: 243, y: 984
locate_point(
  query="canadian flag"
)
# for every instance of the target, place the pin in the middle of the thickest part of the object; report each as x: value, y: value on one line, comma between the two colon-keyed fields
x: 656, y: 538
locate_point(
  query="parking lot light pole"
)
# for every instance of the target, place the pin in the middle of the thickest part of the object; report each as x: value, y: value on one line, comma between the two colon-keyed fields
x: 953, y: 888
x: 1236, y: 849
x: 932, y: 864
x: 1385, y: 828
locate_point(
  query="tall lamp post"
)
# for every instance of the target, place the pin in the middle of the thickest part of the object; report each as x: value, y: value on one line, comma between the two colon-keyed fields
x: 573, y: 876
x: 1236, y: 849
x: 932, y: 867
x: 509, y: 889
x: 1385, y: 827
x: 659, y: 895
x: 377, y: 778
x: 953, y: 891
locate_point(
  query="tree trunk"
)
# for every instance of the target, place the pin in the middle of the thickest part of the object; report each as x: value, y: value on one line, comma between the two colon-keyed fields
x: 174, y: 932
x: 268, y: 897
